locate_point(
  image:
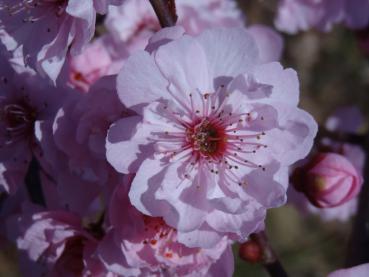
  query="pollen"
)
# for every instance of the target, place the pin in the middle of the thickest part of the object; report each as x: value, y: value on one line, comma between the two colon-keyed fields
x: 207, y: 138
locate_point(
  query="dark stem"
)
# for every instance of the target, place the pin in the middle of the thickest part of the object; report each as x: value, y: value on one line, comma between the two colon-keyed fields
x: 33, y: 183
x: 270, y: 260
x: 165, y: 11
x: 275, y: 269
x: 358, y: 252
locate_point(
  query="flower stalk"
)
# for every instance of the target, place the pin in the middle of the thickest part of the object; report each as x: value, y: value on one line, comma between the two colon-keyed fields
x: 165, y: 11
x: 269, y: 259
x: 359, y: 242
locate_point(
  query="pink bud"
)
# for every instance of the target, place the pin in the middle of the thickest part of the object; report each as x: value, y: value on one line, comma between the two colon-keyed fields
x: 251, y: 251
x: 328, y: 180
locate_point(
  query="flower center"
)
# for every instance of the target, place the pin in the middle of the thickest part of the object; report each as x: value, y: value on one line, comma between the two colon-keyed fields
x: 212, y: 132
x: 208, y: 138
x: 163, y: 239
x: 18, y: 119
x: 71, y: 260
x: 155, y: 230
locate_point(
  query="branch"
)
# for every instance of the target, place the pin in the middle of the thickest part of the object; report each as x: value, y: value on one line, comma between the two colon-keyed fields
x: 165, y: 11
x: 359, y: 242
x: 265, y: 254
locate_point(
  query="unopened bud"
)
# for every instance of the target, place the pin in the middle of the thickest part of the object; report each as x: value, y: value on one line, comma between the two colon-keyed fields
x: 328, y: 180
x: 251, y: 251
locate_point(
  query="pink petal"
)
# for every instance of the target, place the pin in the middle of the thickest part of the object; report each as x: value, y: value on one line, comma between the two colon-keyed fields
x: 140, y: 81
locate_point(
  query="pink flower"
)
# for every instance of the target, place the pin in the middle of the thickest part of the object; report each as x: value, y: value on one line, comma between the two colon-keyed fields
x: 100, y: 58
x: 268, y: 41
x: 356, y: 271
x: 140, y: 245
x: 135, y: 21
x: 58, y: 240
x: 59, y: 25
x: 346, y: 119
x: 215, y: 134
x: 301, y: 15
x: 80, y: 168
x: 328, y: 180
x: 27, y: 107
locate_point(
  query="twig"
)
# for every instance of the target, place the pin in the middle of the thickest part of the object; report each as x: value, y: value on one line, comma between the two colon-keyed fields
x: 165, y: 11
x: 268, y: 257
x: 358, y: 252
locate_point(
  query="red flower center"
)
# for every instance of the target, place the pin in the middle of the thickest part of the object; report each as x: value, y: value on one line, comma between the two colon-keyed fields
x: 207, y: 138
x: 19, y: 120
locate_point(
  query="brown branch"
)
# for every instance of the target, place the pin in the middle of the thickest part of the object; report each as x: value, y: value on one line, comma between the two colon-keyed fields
x: 358, y: 251
x: 165, y: 11
x: 268, y: 258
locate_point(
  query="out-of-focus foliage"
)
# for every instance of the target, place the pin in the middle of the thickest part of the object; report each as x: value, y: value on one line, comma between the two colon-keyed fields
x: 333, y: 72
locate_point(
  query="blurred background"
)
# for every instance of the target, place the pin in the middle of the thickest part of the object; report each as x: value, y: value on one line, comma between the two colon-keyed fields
x: 333, y: 72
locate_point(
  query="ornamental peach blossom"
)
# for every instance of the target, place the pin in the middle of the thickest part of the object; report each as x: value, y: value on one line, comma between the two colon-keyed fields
x: 80, y: 169
x: 301, y: 15
x: 27, y: 109
x: 328, y: 180
x: 214, y: 135
x: 135, y: 22
x: 60, y: 245
x: 140, y: 245
x: 345, y: 119
x: 59, y: 25
x: 100, y: 58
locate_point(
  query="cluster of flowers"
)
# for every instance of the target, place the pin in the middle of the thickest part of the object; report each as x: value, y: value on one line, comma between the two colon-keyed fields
x: 154, y: 150
x: 299, y: 15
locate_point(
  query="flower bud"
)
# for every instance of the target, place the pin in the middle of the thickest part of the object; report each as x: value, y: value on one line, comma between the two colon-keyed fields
x: 250, y: 251
x: 328, y: 180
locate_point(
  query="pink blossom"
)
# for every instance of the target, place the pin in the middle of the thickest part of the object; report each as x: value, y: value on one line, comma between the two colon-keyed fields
x: 356, y: 271
x: 27, y: 107
x: 347, y: 119
x: 135, y: 21
x: 59, y: 25
x: 140, y: 245
x: 100, y: 58
x: 328, y: 180
x: 215, y: 134
x: 80, y: 170
x: 269, y: 42
x: 301, y: 15
x: 58, y: 241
